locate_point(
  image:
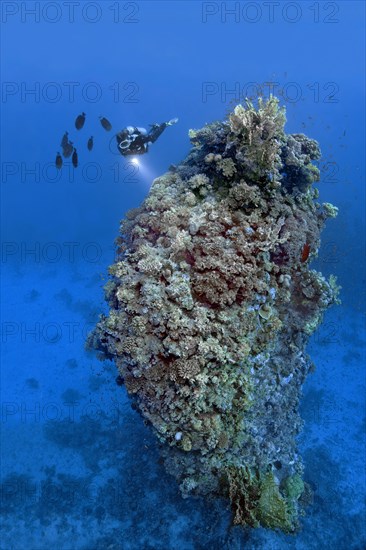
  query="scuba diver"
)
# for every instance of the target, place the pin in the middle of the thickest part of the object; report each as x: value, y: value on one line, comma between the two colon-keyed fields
x: 135, y: 141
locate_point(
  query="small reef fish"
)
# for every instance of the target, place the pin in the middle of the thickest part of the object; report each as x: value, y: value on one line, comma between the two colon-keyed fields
x: 120, y: 380
x: 80, y: 120
x: 305, y: 252
x: 65, y: 139
x: 68, y: 149
x: 58, y: 161
x: 75, y: 159
x: 105, y: 123
x: 90, y: 143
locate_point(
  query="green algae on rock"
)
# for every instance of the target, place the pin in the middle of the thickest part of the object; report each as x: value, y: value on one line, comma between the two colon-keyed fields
x: 211, y: 308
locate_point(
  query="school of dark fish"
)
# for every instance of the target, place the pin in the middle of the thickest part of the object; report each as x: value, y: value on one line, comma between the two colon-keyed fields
x: 67, y: 146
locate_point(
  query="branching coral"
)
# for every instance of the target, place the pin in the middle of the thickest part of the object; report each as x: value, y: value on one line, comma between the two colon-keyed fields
x: 211, y: 306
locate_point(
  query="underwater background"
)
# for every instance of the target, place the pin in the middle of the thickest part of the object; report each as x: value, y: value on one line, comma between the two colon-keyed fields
x: 79, y: 469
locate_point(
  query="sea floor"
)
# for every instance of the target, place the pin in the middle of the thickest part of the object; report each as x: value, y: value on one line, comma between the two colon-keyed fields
x: 80, y: 470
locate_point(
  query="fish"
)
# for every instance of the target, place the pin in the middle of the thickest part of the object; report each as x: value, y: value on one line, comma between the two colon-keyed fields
x: 90, y: 143
x: 68, y: 149
x: 105, y: 123
x: 75, y: 159
x: 80, y: 120
x: 305, y: 252
x: 58, y: 161
x: 120, y: 380
x: 65, y: 139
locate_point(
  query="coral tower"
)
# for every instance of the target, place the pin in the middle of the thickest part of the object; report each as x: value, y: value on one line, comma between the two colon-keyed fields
x: 212, y: 303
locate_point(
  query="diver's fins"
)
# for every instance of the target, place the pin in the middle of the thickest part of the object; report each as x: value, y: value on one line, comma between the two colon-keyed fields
x: 172, y: 121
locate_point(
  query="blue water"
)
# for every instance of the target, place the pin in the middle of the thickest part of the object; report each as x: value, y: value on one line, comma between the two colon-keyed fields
x: 79, y: 469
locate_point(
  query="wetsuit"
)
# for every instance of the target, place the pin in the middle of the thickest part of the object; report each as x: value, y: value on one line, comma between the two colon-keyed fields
x: 135, y: 141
